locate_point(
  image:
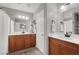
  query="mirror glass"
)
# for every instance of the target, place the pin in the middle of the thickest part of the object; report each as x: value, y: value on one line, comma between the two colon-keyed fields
x: 70, y: 18
x: 19, y: 26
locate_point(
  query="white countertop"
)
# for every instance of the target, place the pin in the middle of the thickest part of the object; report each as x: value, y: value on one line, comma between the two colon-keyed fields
x: 73, y: 39
x: 19, y: 33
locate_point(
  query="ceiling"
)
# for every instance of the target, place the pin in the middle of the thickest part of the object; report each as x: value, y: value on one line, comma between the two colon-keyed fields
x: 26, y: 7
x: 23, y: 9
x: 13, y: 13
x: 70, y: 6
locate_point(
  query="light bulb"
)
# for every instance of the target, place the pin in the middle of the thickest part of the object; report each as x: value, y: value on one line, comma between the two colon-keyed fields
x: 23, y: 17
x: 19, y: 16
x: 27, y: 18
x: 62, y: 7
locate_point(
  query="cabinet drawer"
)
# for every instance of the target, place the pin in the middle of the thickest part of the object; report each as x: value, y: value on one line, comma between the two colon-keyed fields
x: 68, y: 44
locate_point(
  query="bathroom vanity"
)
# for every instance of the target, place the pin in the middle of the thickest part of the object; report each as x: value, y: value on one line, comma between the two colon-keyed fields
x: 21, y: 41
x: 61, y: 45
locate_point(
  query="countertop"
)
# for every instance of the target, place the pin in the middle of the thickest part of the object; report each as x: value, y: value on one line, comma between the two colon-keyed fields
x: 73, y: 38
x: 19, y: 33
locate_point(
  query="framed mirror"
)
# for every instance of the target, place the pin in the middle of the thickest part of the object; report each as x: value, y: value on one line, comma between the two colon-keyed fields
x: 22, y: 26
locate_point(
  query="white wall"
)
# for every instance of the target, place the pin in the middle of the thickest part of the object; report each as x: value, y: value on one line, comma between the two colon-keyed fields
x: 40, y: 30
x: 41, y: 41
x: 51, y: 12
x: 11, y: 26
x: 4, y: 30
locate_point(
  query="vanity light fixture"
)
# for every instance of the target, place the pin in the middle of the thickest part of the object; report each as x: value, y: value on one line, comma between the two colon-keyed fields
x: 26, y: 18
x: 65, y: 6
x: 23, y: 17
x: 19, y: 16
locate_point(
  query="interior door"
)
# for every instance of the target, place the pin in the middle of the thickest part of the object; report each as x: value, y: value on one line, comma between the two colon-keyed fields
x: 40, y: 31
x: 1, y: 31
x: 4, y: 30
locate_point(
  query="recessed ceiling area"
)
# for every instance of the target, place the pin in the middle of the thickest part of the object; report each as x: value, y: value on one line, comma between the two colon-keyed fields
x: 20, y: 11
x: 26, y: 7
x: 18, y: 15
x: 68, y: 6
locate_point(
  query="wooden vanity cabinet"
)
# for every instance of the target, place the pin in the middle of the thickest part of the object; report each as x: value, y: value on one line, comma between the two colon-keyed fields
x: 60, y: 47
x: 19, y: 42
x: 69, y: 48
x: 54, y: 47
x: 32, y: 41
x: 27, y: 41
x: 78, y: 50
x: 12, y: 44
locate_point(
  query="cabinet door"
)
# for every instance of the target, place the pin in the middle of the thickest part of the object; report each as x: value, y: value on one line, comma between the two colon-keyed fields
x: 12, y: 44
x: 19, y: 42
x: 78, y: 50
x: 68, y: 49
x: 32, y: 40
x: 54, y: 47
x: 27, y: 41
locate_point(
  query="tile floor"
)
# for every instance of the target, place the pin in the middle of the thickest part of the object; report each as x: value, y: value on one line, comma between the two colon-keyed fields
x: 29, y: 51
